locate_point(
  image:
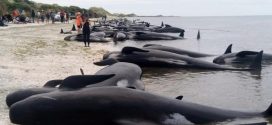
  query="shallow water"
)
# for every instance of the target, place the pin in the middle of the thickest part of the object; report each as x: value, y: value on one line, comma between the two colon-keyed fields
x: 237, y: 90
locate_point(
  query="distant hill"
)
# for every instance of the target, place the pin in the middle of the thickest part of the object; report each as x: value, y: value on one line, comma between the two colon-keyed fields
x: 28, y: 5
x: 124, y: 15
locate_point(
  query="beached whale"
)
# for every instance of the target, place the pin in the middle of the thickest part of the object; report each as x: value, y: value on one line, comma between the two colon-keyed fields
x: 176, y: 50
x: 153, y: 36
x: 94, y: 37
x: 71, y: 82
x: 169, y: 29
x: 111, y: 105
x: 157, y: 58
x: 119, y: 74
x: 239, y: 57
x: 143, y: 35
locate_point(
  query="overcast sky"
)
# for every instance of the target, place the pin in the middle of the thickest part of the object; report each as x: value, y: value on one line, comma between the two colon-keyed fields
x: 176, y: 7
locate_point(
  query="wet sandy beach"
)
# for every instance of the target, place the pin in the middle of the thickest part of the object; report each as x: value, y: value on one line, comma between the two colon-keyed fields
x: 33, y: 54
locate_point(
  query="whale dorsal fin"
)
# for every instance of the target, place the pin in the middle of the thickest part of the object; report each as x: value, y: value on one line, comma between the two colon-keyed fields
x: 129, y: 50
x: 179, y: 97
x: 80, y: 81
x: 61, y: 31
x: 246, y: 53
x: 228, y: 50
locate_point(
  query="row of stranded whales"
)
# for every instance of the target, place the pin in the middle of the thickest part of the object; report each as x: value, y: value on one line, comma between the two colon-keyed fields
x: 239, y: 57
x: 124, y: 30
x: 143, y: 35
x: 110, y: 105
x: 113, y: 75
x: 157, y: 58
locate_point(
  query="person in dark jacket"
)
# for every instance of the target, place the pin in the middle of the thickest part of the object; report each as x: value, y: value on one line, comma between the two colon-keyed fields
x: 86, y: 32
x: 33, y: 15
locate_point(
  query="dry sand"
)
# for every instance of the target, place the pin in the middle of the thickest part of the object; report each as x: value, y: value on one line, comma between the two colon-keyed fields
x: 32, y: 54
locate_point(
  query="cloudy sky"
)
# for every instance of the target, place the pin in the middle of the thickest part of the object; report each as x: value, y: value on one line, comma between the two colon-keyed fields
x: 176, y: 7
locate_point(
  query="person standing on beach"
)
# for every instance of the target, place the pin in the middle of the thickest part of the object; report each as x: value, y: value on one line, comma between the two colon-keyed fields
x: 67, y: 17
x: 38, y: 16
x: 33, y: 14
x: 47, y: 15
x: 86, y: 33
x: 42, y: 16
x: 78, y: 22
x: 52, y: 14
x: 62, y: 16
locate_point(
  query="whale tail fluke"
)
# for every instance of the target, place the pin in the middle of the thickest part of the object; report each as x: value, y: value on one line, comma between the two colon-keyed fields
x: 257, y: 63
x: 228, y: 50
x: 268, y: 111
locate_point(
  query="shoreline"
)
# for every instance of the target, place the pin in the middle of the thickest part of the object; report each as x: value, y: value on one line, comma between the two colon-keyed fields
x: 34, y: 54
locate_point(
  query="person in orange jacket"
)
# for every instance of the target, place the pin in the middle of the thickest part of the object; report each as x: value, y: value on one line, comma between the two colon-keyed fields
x: 78, y: 22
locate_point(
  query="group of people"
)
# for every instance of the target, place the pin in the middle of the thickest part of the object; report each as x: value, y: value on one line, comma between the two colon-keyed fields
x: 64, y: 16
x: 21, y: 16
x: 82, y: 22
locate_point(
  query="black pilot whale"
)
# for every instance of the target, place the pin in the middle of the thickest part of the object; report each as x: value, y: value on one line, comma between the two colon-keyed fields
x: 176, y: 50
x: 240, y: 57
x: 110, y: 105
x: 157, y: 58
x: 120, y: 74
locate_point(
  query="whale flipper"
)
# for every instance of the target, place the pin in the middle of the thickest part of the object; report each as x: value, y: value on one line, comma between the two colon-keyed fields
x: 129, y: 50
x: 104, y: 62
x: 147, y: 45
x: 228, y: 50
x: 246, y: 53
x: 80, y: 81
x: 179, y: 97
x: 53, y: 83
x: 257, y: 63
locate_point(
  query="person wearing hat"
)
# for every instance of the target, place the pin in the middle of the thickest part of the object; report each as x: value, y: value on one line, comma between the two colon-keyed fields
x: 78, y: 22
